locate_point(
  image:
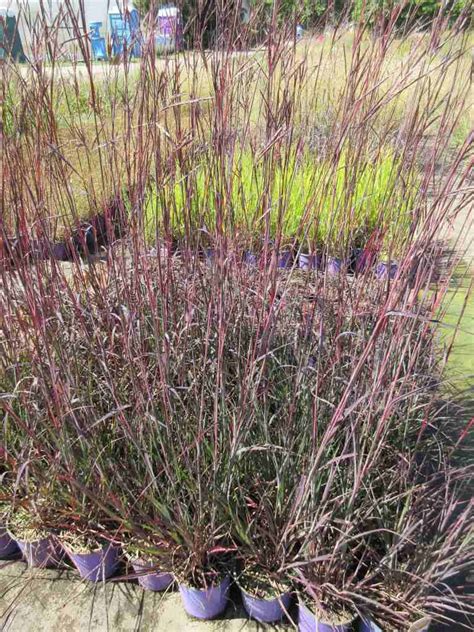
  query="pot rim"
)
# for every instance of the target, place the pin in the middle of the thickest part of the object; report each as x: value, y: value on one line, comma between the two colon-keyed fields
x: 288, y: 594
x: 147, y: 565
x: 105, y: 547
x: 225, y: 580
x: 18, y: 540
x: 350, y: 621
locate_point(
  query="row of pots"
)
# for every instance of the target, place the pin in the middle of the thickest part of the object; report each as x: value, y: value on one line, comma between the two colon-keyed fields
x: 359, y: 262
x: 200, y: 603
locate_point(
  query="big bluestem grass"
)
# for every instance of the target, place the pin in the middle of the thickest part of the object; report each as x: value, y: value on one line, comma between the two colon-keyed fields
x: 210, y: 410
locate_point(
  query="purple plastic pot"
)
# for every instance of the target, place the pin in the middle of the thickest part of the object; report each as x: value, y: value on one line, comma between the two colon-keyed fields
x: 386, y: 271
x: 8, y: 545
x: 284, y: 259
x: 308, y: 622
x: 45, y: 553
x: 334, y: 265
x: 266, y: 610
x: 205, y: 604
x: 250, y: 258
x: 98, y: 565
x: 310, y: 262
x: 151, y: 580
x: 367, y: 625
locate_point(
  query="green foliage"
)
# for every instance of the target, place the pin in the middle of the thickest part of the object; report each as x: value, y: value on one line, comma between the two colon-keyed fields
x: 142, y: 6
x: 201, y: 16
x: 310, y: 200
x: 308, y: 12
x: 420, y: 10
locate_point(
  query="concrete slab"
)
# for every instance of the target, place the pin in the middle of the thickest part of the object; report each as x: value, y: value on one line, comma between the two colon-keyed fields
x: 34, y: 600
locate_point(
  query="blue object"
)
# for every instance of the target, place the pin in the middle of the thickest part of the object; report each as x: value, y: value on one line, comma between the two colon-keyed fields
x: 2, y: 35
x: 125, y: 33
x: 99, y: 51
x: 94, y: 28
x: 169, y: 35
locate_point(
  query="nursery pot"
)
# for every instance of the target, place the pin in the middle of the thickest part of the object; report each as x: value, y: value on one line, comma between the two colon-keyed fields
x: 152, y: 580
x: 310, y: 262
x: 97, y: 565
x: 250, y: 258
x: 266, y: 610
x: 206, y: 603
x: 386, y: 271
x: 44, y: 553
x: 367, y: 625
x: 8, y: 545
x: 309, y: 622
x: 334, y: 265
x: 284, y: 259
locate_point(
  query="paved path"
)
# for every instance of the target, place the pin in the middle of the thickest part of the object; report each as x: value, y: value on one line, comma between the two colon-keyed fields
x: 57, y: 601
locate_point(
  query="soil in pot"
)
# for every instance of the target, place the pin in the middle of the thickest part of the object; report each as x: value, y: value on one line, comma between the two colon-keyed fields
x: 264, y: 600
x: 95, y: 561
x: 39, y: 547
x: 316, y: 620
x: 208, y: 602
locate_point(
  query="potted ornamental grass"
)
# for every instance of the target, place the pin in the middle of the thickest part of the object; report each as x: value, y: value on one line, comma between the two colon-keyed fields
x: 325, y: 577
x: 335, y: 250
x: 264, y: 514
x: 266, y: 597
x: 265, y: 543
x: 93, y: 552
x: 327, y: 614
x: 201, y: 558
x: 204, y: 579
x: 37, y: 543
x: 148, y: 560
x: 310, y: 257
x: 89, y: 536
x: 310, y: 245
